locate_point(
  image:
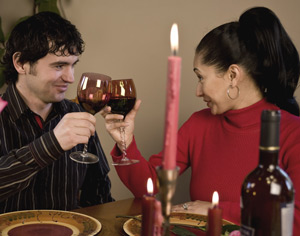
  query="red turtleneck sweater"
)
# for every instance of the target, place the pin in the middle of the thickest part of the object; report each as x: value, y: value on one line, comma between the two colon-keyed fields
x: 221, y: 150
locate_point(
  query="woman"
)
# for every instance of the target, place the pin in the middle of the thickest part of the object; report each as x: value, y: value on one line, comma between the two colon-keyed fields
x: 243, y: 68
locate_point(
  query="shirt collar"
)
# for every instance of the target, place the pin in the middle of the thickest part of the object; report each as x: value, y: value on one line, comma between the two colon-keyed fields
x: 17, y: 106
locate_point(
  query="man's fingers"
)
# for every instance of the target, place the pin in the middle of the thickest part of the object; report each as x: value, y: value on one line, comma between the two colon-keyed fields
x: 81, y: 116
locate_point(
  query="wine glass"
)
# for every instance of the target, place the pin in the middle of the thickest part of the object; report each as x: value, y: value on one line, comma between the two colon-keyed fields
x: 122, y: 100
x: 93, y: 93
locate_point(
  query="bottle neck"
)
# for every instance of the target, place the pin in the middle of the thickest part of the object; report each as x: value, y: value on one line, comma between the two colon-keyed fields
x: 269, y: 138
x: 267, y: 158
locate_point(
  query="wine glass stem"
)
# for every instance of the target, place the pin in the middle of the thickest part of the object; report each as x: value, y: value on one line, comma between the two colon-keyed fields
x: 122, y: 130
x: 85, y: 149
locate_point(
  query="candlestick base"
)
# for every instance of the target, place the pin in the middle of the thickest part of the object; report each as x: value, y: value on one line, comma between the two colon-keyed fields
x: 167, y: 186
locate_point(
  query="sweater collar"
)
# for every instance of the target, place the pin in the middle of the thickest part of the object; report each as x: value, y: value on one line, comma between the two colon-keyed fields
x: 248, y: 117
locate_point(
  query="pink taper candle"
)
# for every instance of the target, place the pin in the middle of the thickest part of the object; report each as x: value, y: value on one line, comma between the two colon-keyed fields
x: 172, y: 104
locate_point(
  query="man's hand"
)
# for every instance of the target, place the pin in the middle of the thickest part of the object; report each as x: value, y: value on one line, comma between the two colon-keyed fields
x: 75, y: 128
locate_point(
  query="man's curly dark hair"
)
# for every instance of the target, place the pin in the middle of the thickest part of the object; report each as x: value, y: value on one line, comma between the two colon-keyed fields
x: 38, y: 35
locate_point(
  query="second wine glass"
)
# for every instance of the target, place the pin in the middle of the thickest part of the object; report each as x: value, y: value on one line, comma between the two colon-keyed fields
x: 122, y: 100
x: 93, y: 93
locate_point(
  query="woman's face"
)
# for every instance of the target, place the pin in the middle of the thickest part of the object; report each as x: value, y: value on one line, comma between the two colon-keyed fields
x: 212, y: 87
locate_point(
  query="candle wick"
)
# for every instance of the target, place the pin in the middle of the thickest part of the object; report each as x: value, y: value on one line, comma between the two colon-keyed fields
x: 174, y: 52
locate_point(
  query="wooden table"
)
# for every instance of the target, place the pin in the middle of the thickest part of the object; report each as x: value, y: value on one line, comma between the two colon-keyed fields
x: 106, y: 214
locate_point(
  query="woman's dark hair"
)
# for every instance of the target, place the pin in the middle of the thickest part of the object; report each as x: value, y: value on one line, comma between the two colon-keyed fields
x: 38, y: 35
x: 259, y: 43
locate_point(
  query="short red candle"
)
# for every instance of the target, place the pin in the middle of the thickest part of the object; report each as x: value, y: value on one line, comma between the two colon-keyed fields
x: 214, y: 217
x: 148, y: 211
x: 172, y: 104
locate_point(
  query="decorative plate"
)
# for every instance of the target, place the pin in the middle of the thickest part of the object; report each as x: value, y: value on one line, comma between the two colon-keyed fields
x: 132, y: 227
x: 47, y: 223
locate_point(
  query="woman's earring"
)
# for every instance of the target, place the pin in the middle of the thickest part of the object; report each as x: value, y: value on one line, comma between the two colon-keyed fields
x: 237, y: 93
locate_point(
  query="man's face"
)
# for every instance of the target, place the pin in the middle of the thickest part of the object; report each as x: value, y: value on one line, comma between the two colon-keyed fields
x: 47, y: 80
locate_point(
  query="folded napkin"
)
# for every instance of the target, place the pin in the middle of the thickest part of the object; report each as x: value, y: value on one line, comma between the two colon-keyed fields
x: 2, y: 104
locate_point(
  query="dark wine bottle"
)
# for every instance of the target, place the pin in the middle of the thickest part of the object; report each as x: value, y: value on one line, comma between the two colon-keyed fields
x: 267, y: 196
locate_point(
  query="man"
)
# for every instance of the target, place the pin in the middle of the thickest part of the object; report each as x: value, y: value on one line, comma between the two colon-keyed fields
x: 39, y: 128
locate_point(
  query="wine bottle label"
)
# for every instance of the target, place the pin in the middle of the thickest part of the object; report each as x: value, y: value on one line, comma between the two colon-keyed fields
x: 247, y: 231
x: 275, y: 188
x: 287, y: 219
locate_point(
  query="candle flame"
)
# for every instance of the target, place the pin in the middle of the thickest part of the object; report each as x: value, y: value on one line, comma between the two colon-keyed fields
x: 149, y: 186
x: 174, y: 39
x: 215, y: 198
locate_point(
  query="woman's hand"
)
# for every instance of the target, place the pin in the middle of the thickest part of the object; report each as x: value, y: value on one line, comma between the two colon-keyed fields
x: 198, y: 207
x: 113, y: 122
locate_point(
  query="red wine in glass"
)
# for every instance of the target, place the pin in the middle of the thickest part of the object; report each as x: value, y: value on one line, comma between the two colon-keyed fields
x: 93, y: 94
x: 121, y: 101
x: 91, y: 106
x: 121, y: 105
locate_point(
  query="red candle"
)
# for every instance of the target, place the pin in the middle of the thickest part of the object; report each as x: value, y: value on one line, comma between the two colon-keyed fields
x: 214, y: 217
x: 148, y: 211
x: 172, y: 103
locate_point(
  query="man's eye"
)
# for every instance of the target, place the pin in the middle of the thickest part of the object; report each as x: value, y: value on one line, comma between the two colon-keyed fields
x: 59, y: 66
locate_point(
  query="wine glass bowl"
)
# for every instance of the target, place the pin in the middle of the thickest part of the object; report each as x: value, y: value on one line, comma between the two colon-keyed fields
x: 123, y: 96
x: 121, y: 101
x: 93, y: 92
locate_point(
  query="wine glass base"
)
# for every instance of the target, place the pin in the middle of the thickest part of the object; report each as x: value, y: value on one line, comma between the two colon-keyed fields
x: 125, y: 162
x: 84, y: 158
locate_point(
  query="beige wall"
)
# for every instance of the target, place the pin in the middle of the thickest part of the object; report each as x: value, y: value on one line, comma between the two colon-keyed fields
x: 130, y: 38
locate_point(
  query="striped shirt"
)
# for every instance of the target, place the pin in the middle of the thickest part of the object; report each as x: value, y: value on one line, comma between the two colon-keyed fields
x: 35, y: 172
